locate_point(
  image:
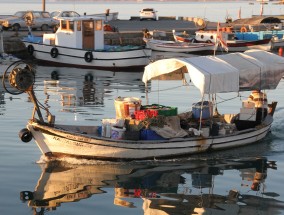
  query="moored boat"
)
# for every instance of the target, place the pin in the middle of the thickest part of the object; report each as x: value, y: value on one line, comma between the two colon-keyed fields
x: 172, y: 46
x: 231, y: 42
x: 79, y: 42
x: 154, y: 131
x: 183, y: 37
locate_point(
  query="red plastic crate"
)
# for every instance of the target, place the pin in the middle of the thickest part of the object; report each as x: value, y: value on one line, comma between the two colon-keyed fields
x: 142, y: 114
x: 152, y: 113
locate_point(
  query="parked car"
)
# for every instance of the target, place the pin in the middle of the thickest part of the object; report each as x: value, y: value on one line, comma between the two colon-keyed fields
x: 56, y: 15
x: 36, y: 19
x: 148, y: 13
x: 68, y: 13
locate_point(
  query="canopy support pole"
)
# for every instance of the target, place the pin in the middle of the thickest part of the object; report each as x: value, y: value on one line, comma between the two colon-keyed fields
x: 201, y: 112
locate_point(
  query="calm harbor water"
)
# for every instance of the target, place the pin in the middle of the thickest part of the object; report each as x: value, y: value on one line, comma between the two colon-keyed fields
x: 247, y: 180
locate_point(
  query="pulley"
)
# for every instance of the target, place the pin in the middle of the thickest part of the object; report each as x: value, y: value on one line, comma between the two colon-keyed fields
x: 21, y: 78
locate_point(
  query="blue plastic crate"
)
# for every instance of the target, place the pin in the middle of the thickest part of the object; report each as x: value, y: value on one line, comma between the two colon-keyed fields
x: 147, y: 134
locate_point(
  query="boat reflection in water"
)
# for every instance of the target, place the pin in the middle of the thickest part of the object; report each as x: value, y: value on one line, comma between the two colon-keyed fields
x: 84, y: 87
x: 165, y: 188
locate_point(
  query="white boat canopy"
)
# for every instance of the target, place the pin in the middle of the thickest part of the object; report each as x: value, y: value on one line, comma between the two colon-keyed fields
x: 251, y: 70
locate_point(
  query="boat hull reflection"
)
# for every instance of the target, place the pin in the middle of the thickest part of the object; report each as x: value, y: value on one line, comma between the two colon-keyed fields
x: 164, y: 188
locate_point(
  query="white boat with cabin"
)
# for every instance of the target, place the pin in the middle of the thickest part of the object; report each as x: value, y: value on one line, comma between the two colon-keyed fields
x: 203, y: 131
x: 79, y: 42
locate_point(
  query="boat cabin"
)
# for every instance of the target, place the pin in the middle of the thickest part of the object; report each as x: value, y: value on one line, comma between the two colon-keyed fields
x: 78, y: 32
x: 210, y: 36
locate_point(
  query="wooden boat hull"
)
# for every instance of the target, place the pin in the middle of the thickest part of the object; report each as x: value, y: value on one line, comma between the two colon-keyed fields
x: 181, y: 48
x: 56, y: 141
x: 236, y: 46
x: 106, y: 60
x: 170, y: 46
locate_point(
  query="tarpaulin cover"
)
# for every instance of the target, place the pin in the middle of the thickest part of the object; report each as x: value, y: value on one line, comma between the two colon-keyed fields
x: 254, y: 69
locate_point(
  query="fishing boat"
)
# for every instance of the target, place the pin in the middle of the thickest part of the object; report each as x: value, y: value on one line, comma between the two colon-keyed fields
x: 183, y: 37
x: 276, y: 36
x: 79, y: 42
x: 230, y: 42
x: 154, y: 131
x: 172, y: 46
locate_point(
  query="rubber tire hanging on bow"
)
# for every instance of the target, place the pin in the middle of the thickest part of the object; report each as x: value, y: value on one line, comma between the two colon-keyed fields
x: 88, y: 56
x: 30, y: 49
x: 54, y: 52
x: 25, y: 135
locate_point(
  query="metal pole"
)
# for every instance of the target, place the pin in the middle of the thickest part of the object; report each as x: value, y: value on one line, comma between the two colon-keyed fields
x: 43, y: 5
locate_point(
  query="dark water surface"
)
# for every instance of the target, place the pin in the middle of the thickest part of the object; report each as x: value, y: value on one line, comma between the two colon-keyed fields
x: 247, y: 180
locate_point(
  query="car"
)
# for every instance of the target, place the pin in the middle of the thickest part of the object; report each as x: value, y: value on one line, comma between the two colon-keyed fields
x: 56, y: 15
x: 35, y: 19
x: 148, y: 13
x: 68, y: 13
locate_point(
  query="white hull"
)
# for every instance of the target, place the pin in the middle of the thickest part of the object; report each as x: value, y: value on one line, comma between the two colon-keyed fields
x: 61, y: 142
x: 241, y: 47
x: 170, y: 46
x: 116, y: 60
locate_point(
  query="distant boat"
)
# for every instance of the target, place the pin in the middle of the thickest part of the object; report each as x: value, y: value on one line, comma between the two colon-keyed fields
x: 172, y: 46
x: 183, y: 37
x: 79, y: 42
x: 232, y: 43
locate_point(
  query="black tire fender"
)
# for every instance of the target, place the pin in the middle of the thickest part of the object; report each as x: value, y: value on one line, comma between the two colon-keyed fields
x: 54, y: 75
x: 25, y: 135
x: 89, y: 77
x: 26, y: 195
x: 30, y: 49
x: 54, y: 52
x: 88, y: 56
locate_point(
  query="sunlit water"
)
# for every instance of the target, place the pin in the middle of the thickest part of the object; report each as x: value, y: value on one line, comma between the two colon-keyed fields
x: 216, y: 182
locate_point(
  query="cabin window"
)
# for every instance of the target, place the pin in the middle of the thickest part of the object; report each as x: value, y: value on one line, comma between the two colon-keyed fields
x: 71, y: 25
x: 63, y: 24
x: 202, y: 36
x: 88, y: 28
x: 79, y: 25
x: 99, y: 25
x: 211, y: 37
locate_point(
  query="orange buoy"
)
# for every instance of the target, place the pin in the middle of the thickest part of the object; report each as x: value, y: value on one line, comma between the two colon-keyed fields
x: 280, y: 51
x: 243, y: 29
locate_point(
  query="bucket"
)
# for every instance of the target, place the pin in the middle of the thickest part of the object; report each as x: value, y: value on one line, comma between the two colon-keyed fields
x: 207, y: 110
x: 117, y: 133
x: 126, y: 106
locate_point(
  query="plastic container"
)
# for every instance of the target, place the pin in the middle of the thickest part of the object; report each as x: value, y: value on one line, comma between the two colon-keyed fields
x: 161, y: 109
x: 214, y: 129
x: 117, y: 133
x: 107, y: 124
x: 126, y: 106
x: 147, y: 134
x: 207, y: 110
x: 142, y: 114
